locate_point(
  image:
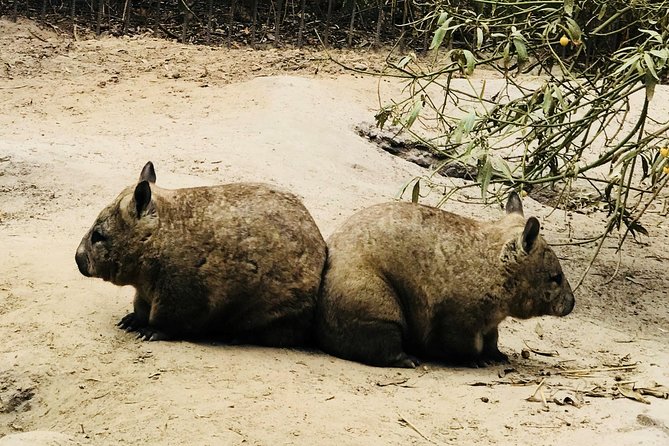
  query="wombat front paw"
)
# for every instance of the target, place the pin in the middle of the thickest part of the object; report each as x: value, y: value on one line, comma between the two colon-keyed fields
x: 493, y: 358
x: 405, y: 361
x: 150, y: 334
x: 130, y: 322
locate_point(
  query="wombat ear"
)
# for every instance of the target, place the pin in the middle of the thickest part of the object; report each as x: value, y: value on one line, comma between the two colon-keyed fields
x: 530, y: 233
x: 148, y: 173
x: 513, y: 204
x: 142, y: 197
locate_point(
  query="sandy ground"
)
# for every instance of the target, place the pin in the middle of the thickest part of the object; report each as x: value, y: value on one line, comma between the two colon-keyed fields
x: 78, y: 119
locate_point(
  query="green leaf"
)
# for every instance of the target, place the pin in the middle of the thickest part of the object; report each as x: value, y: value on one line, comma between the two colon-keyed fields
x: 653, y: 35
x: 507, y: 59
x: 500, y: 165
x: 569, y: 7
x: 469, y: 121
x: 417, y: 106
x: 602, y: 12
x: 456, y: 135
x: 626, y: 65
x: 479, y: 38
x: 438, y: 38
x: 661, y: 54
x: 650, y: 65
x: 521, y: 49
x: 470, y: 61
x: 573, y: 29
x: 442, y: 18
x: 484, y: 176
x: 560, y: 98
x: 415, y: 192
x: 548, y: 101
x: 650, y: 87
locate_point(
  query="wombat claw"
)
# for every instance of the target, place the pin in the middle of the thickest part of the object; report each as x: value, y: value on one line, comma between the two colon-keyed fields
x: 149, y: 334
x: 405, y: 361
x: 129, y: 322
x: 497, y: 358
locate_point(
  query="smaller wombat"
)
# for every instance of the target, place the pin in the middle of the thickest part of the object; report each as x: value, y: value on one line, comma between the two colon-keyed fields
x: 242, y: 260
x: 403, y: 278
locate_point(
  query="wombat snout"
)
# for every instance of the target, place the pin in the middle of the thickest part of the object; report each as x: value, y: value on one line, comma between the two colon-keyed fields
x: 82, y: 261
x: 567, y: 305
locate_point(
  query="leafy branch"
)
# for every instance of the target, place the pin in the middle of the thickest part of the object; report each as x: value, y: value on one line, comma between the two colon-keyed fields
x: 541, y: 96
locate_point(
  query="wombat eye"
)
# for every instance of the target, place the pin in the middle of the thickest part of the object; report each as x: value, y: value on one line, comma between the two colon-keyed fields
x: 557, y: 278
x: 97, y: 237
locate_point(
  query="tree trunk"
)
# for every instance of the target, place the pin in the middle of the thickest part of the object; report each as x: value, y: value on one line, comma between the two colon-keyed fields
x: 126, y: 16
x: 405, y: 18
x: 278, y: 11
x: 210, y: 11
x: 186, y: 20
x: 184, y: 27
x: 379, y: 25
x: 15, y: 10
x: 230, y: 22
x: 300, y: 32
x: 328, y: 23
x: 352, y: 24
x: 98, y: 17
x: 155, y: 14
x: 393, y: 11
x: 426, y: 39
x: 43, y: 8
x: 254, y: 24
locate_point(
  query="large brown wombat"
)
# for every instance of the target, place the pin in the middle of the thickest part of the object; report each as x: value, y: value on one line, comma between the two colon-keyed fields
x: 243, y: 261
x: 403, y: 279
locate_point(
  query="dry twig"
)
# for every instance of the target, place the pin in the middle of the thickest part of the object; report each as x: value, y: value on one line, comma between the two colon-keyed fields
x: 403, y: 419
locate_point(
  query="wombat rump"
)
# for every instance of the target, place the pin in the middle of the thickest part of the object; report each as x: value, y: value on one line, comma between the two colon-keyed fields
x: 404, y: 279
x: 242, y: 260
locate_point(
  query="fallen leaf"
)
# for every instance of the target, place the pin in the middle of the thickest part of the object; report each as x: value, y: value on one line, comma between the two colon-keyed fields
x: 632, y: 394
x: 539, y: 330
x: 654, y: 389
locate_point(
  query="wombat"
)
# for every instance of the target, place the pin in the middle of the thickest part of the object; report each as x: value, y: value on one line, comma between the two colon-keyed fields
x: 242, y: 261
x: 405, y: 279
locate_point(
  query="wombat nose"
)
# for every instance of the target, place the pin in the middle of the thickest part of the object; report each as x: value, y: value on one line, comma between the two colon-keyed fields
x: 82, y: 263
x: 569, y: 304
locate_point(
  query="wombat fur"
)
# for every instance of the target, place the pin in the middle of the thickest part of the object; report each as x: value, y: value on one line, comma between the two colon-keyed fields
x: 404, y: 279
x: 243, y: 261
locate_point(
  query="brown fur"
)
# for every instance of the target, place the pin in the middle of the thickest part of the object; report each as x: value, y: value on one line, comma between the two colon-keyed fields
x: 403, y: 279
x: 242, y: 260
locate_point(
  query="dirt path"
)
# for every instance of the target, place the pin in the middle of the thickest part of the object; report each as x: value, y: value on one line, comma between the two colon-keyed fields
x: 77, y: 122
